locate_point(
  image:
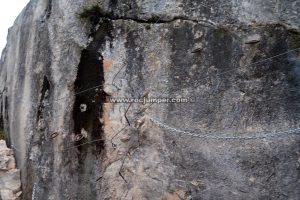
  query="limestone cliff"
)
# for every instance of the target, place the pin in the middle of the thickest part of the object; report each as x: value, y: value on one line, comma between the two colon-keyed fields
x: 237, y: 60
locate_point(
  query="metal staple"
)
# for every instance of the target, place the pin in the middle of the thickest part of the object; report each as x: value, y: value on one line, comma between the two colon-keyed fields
x: 295, y: 131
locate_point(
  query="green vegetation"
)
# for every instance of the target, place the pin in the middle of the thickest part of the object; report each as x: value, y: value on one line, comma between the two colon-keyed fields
x: 147, y: 26
x: 93, y: 11
x: 154, y: 19
x: 2, y: 134
x: 294, y: 38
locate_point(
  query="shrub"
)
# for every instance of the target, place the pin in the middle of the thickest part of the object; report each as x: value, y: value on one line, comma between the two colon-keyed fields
x: 2, y: 134
x: 147, y: 26
x: 95, y: 11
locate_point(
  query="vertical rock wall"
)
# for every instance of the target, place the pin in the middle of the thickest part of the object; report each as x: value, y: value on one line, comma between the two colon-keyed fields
x: 60, y: 67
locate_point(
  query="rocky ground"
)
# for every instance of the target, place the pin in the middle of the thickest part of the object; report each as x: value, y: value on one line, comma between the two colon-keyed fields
x: 10, y: 182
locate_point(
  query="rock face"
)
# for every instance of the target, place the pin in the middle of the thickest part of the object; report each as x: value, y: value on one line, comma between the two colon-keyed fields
x: 238, y: 61
x: 10, y: 182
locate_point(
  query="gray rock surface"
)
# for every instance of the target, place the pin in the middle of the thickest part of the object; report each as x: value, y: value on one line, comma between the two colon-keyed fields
x: 202, y: 50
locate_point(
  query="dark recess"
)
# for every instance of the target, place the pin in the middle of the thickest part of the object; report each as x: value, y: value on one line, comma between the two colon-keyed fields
x: 2, y: 133
x: 90, y: 74
x: 7, y: 136
x: 49, y: 9
x: 45, y: 88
